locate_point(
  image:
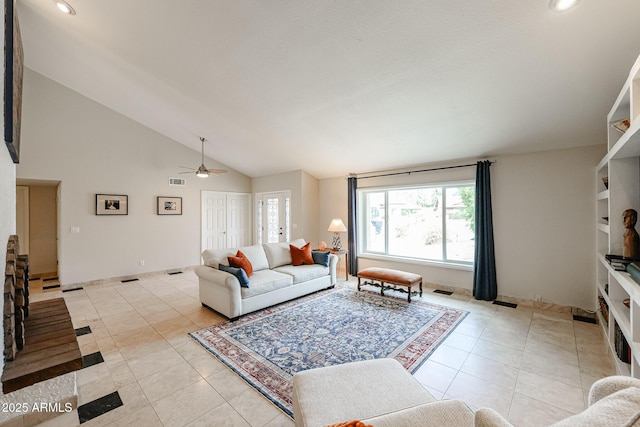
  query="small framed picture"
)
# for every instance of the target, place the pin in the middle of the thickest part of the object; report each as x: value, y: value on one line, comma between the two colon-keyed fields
x: 112, y: 204
x: 169, y: 205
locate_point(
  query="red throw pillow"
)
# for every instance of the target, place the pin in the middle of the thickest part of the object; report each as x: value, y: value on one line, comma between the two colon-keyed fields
x: 354, y: 423
x: 300, y: 256
x: 241, y: 261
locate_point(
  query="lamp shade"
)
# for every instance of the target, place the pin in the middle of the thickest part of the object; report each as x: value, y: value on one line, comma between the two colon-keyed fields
x: 337, y: 226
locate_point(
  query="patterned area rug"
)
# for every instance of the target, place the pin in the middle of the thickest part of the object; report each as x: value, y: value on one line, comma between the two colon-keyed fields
x: 329, y: 328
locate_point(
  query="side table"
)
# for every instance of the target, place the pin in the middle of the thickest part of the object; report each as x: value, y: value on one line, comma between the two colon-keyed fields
x: 338, y: 253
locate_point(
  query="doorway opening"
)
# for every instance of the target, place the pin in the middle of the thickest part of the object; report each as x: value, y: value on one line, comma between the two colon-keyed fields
x: 38, y: 228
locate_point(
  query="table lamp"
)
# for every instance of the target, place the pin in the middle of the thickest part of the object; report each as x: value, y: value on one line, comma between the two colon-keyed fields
x: 337, y: 226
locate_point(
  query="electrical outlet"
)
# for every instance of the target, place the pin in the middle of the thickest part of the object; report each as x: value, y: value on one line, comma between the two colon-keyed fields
x: 141, y: 263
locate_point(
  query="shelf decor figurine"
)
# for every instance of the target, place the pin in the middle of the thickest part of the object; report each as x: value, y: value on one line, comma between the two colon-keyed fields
x: 631, y: 244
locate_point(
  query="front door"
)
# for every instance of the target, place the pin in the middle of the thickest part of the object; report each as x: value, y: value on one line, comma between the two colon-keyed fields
x: 273, y: 217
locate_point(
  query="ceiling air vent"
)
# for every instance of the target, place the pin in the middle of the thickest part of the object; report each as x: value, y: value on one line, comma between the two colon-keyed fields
x: 179, y: 182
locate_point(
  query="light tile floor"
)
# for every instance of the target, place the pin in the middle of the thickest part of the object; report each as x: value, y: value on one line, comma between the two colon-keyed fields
x: 532, y: 366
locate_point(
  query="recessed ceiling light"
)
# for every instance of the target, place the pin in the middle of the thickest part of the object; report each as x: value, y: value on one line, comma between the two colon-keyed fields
x: 65, y: 7
x: 562, y: 5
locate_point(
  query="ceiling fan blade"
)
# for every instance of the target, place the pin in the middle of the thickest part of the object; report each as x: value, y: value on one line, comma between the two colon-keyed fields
x: 216, y: 171
x: 186, y: 167
x: 181, y: 173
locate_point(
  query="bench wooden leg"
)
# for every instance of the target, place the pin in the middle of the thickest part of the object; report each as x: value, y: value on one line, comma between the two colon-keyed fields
x: 421, y: 288
x: 382, y: 288
x: 409, y: 294
x: 358, y: 283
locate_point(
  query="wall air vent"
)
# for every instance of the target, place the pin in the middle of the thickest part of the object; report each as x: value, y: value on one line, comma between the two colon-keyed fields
x: 179, y: 182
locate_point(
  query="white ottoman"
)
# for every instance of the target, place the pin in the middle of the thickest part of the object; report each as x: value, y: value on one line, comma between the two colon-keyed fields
x: 354, y: 391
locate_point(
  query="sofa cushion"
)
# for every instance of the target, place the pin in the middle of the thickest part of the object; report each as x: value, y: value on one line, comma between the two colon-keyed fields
x: 256, y: 256
x: 215, y: 257
x: 279, y: 253
x: 264, y: 281
x: 241, y: 261
x: 303, y: 273
x: 321, y: 257
x: 240, y: 274
x: 301, y: 256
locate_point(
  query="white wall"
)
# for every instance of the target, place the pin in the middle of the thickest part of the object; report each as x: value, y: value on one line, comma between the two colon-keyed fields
x: 333, y: 196
x: 8, y: 197
x: 544, y: 219
x: 309, y: 200
x: 543, y: 213
x: 91, y: 149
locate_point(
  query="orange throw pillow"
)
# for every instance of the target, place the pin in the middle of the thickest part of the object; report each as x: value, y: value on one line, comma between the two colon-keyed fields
x: 300, y: 256
x: 354, y: 423
x: 241, y: 261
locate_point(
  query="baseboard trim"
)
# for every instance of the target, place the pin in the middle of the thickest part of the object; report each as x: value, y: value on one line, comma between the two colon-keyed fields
x: 148, y: 275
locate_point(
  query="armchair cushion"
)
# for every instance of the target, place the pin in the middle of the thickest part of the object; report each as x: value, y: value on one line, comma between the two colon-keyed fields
x: 620, y: 408
x: 609, y: 385
x: 449, y: 413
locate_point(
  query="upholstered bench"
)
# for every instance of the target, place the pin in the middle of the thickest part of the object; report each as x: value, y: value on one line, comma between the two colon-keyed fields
x: 379, y: 392
x: 394, y: 277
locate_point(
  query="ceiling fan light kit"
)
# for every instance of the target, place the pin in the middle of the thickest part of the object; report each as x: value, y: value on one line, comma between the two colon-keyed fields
x: 202, y: 171
x: 562, y: 5
x: 65, y: 7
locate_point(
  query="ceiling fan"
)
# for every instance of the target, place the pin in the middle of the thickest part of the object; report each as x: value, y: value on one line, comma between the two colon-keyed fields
x: 202, y: 171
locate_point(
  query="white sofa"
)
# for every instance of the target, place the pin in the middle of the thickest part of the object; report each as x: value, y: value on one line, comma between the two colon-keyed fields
x: 274, y: 279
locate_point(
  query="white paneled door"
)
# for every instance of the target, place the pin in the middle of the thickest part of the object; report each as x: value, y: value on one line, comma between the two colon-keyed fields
x: 226, y: 220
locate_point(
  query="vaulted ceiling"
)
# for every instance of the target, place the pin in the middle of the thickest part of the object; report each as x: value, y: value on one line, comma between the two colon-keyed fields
x: 339, y: 86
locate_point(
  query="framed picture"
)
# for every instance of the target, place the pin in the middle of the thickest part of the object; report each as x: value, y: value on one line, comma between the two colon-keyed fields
x: 169, y: 205
x: 13, y: 69
x: 112, y: 204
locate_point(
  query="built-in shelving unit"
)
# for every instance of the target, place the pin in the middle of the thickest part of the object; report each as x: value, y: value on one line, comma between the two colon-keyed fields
x: 621, y: 167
